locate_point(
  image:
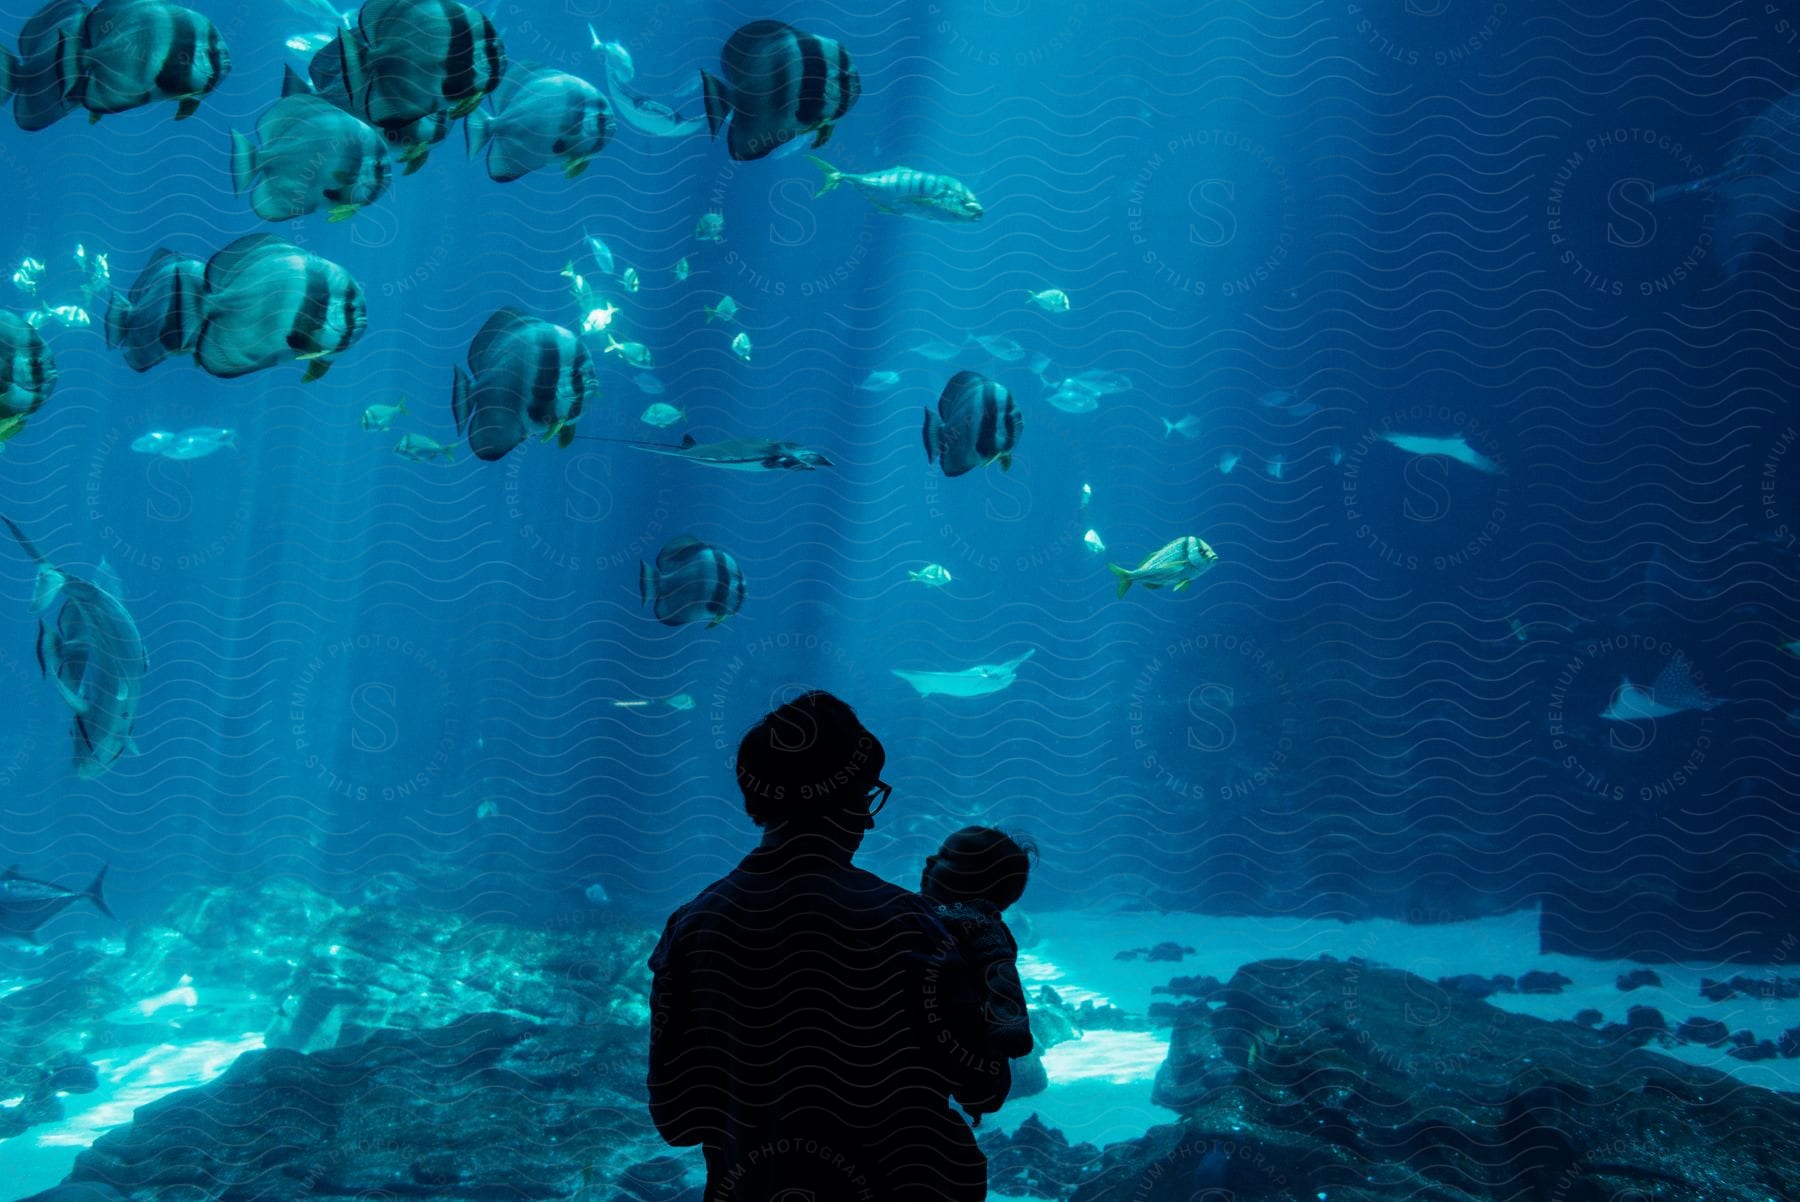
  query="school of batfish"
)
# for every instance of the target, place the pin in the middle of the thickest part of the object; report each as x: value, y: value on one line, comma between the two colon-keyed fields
x: 381, y: 89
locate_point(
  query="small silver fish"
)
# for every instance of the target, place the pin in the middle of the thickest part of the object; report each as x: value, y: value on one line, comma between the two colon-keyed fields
x: 1074, y: 400
x: 1001, y: 348
x: 937, y: 350
x: 1051, y: 300
x: 660, y: 415
x: 634, y: 353
x: 603, y: 256
x: 740, y: 346
x: 422, y: 449
x: 681, y: 271
x: 381, y: 417
x: 199, y: 442
x: 710, y: 227
x: 932, y: 575
x: 1287, y: 402
x: 726, y: 310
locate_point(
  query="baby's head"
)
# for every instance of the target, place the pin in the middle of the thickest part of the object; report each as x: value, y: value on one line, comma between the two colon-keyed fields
x: 979, y: 863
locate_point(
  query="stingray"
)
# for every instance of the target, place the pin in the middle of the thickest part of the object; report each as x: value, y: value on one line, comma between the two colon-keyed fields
x: 937, y: 350
x: 978, y: 681
x: 1455, y: 447
x: 1675, y: 692
x: 1758, y: 189
x: 731, y: 454
x: 744, y: 454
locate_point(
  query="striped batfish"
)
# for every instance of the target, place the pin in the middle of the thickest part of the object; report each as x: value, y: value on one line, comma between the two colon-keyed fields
x: 779, y: 84
x: 27, y: 370
x: 907, y: 192
x: 94, y: 656
x: 541, y: 116
x: 691, y: 582
x: 411, y: 143
x: 268, y: 301
x: 46, y: 68
x: 976, y: 423
x: 308, y: 155
x: 525, y: 374
x: 161, y: 315
x: 408, y: 59
x: 136, y: 52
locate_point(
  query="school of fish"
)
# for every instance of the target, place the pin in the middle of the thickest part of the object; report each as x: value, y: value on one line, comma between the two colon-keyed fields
x: 379, y: 91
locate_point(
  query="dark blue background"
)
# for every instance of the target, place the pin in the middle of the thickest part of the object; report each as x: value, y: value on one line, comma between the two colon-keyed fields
x: 1414, y: 217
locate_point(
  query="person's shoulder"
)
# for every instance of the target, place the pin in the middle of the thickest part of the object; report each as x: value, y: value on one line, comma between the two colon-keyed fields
x: 707, y: 901
x: 897, y: 901
x: 884, y: 892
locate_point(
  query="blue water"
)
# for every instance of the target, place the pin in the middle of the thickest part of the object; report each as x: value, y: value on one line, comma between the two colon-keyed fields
x: 1418, y: 219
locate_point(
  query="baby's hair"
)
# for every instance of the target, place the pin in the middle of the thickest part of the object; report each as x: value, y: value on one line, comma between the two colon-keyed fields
x: 980, y: 862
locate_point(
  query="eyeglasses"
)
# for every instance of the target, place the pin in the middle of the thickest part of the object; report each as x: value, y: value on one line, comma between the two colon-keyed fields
x: 878, y: 797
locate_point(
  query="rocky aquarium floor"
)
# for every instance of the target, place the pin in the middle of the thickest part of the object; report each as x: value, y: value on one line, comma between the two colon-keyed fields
x: 383, y: 1051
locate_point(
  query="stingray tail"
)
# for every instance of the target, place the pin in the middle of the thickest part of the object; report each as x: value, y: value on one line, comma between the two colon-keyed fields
x: 1670, y: 191
x: 93, y: 894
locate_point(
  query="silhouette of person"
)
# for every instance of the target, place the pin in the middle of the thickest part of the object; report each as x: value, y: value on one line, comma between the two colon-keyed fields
x: 809, y: 1020
x: 969, y: 883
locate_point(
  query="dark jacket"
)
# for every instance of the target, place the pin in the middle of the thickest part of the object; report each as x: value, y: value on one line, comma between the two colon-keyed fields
x: 808, y: 1021
x: 991, y: 953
